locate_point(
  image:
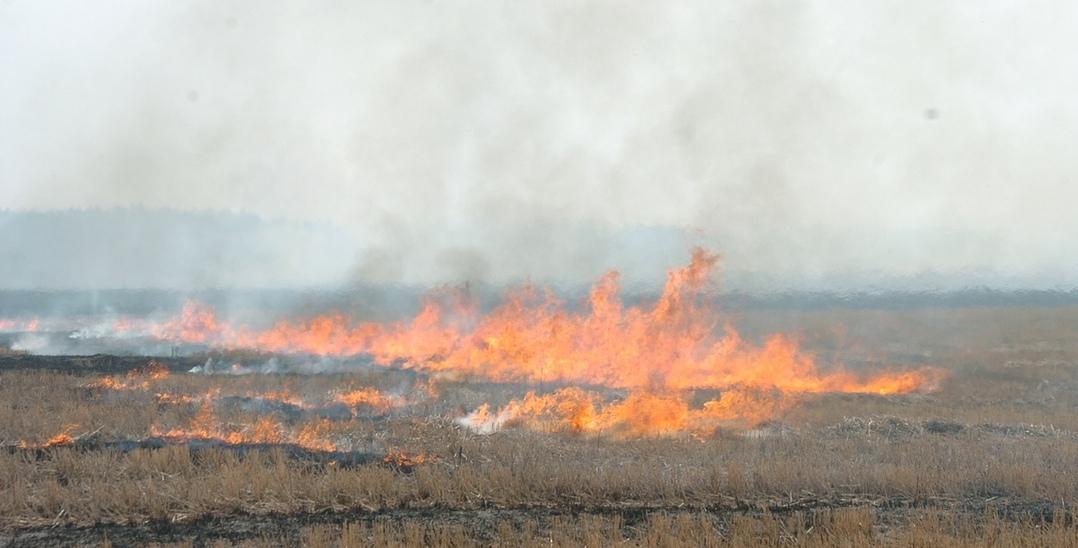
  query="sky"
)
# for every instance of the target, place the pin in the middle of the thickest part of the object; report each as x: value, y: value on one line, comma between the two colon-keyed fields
x: 832, y: 144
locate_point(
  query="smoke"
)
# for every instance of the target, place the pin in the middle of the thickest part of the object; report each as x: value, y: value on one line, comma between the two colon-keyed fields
x: 817, y: 145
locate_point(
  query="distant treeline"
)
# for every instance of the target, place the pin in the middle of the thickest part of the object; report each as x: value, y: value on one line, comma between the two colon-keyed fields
x: 384, y: 302
x: 140, y: 247
x: 906, y: 299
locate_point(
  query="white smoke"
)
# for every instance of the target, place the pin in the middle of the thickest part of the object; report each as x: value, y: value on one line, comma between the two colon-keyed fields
x: 822, y: 144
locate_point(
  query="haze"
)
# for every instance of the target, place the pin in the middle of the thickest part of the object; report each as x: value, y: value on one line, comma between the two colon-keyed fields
x: 828, y: 145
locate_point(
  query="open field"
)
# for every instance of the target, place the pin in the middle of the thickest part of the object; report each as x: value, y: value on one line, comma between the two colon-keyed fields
x: 131, y: 450
x: 504, y: 274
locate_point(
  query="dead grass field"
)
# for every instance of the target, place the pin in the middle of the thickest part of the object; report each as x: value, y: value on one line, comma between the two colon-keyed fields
x: 991, y: 458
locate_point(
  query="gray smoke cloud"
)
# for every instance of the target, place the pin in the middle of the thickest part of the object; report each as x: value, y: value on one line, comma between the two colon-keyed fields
x: 814, y: 144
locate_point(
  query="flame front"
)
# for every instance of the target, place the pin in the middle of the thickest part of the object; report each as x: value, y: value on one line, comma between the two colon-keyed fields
x: 400, y: 459
x: 136, y: 379
x: 369, y: 397
x: 658, y: 354
x: 641, y: 413
x: 62, y: 439
x: 205, y: 426
x: 10, y: 324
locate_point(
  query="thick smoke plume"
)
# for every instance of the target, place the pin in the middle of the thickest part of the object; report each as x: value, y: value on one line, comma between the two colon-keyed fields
x: 828, y: 145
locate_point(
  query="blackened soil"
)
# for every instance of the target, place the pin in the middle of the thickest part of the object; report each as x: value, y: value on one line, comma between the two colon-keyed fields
x: 483, y: 523
x: 97, y: 364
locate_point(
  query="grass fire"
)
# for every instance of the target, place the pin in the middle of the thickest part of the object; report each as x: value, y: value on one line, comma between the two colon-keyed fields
x: 496, y: 414
x: 659, y: 354
x: 533, y: 273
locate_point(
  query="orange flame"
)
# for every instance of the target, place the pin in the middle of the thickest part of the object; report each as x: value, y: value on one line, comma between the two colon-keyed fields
x: 283, y: 395
x: 168, y: 398
x: 641, y: 413
x: 136, y: 379
x: 678, y: 344
x: 400, y: 459
x: 368, y: 397
x: 59, y: 440
x: 197, y: 324
x: 205, y: 426
x: 9, y: 324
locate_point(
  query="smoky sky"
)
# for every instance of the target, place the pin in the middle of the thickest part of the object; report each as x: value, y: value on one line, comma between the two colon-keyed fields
x: 812, y: 144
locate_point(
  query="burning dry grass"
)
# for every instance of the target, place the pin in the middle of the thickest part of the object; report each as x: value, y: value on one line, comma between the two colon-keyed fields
x: 369, y: 397
x: 136, y: 379
x: 995, y: 444
x: 264, y: 430
x: 506, y: 472
x: 639, y: 414
x: 659, y: 353
x: 59, y: 440
x: 848, y: 461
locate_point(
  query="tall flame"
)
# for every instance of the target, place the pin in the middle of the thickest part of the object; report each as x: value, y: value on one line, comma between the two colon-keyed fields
x: 658, y: 353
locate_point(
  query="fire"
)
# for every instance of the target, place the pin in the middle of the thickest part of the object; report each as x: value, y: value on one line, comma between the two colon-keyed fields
x: 168, y: 398
x: 197, y: 324
x: 283, y: 396
x: 9, y: 324
x: 658, y: 353
x: 314, y: 436
x: 370, y: 397
x: 641, y: 413
x: 62, y: 439
x: 402, y: 460
x: 123, y: 326
x: 206, y: 426
x: 136, y: 379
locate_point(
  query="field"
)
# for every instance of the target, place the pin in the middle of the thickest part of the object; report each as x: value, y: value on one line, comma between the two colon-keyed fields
x: 129, y: 450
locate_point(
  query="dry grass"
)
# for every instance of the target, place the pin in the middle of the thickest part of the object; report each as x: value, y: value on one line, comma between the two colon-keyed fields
x: 852, y: 527
x: 1000, y: 433
x: 844, y: 527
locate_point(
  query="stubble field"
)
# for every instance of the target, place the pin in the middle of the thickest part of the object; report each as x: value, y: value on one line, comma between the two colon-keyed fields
x: 136, y: 450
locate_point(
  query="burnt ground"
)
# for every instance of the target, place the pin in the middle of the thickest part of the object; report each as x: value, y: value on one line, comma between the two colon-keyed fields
x: 97, y: 364
x: 344, y: 459
x: 188, y: 359
x: 484, y: 522
x: 1016, y: 391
